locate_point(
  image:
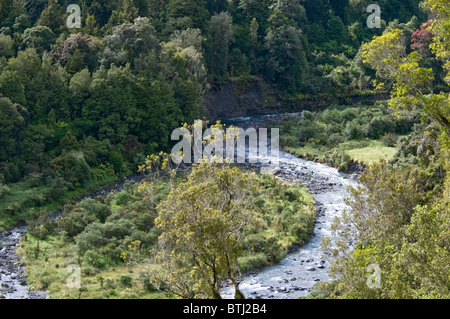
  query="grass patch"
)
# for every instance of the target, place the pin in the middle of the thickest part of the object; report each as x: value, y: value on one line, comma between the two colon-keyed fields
x: 373, y: 153
x: 363, y: 151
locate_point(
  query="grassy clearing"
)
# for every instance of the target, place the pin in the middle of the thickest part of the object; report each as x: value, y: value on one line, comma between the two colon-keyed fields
x: 375, y: 152
x: 363, y: 151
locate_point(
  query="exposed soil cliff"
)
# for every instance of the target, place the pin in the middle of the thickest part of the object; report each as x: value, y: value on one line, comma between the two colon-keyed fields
x: 255, y: 97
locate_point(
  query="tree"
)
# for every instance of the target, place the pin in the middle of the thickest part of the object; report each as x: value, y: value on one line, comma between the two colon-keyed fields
x: 216, y: 6
x: 129, y: 41
x: 52, y: 17
x: 12, y: 124
x: 217, y: 46
x: 126, y: 12
x: 76, y: 63
x: 287, y: 65
x: 340, y: 8
x: 411, y: 83
x: 201, y: 223
x: 6, y: 46
x: 293, y: 10
x: 39, y: 38
x: 195, y: 10
x: 11, y: 87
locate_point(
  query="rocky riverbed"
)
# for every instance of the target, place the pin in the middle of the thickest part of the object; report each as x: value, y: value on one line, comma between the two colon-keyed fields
x: 13, y: 280
x: 304, y: 266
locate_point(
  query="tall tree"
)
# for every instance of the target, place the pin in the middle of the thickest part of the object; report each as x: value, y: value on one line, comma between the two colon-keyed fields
x: 195, y: 10
x: 202, y: 222
x: 286, y: 58
x: 217, y: 46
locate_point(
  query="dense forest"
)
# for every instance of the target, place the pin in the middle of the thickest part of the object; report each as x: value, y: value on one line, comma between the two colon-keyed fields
x: 79, y: 104
x: 83, y: 107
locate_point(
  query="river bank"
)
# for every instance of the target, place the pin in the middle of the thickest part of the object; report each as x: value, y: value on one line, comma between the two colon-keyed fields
x: 304, y: 266
x: 13, y: 279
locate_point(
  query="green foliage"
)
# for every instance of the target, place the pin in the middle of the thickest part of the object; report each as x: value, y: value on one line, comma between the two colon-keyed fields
x: 339, y: 135
x: 217, y: 47
x: 390, y: 223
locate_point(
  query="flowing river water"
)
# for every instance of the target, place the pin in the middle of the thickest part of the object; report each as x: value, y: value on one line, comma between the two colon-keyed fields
x: 291, y: 278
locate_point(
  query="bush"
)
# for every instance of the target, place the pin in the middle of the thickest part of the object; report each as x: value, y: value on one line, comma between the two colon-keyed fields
x: 306, y: 131
x: 126, y: 281
x: 57, y: 187
x: 353, y: 131
x: 389, y: 139
x: 74, y: 221
x: 34, y: 179
x: 41, y: 227
x: 254, y: 243
x: 145, y: 280
x: 335, y: 139
x: 73, y: 167
x: 91, y: 238
x: 123, y: 198
x: 379, y: 126
x: 35, y: 199
x: 338, y: 158
x: 110, y: 284
x: 247, y: 263
x: 91, y: 258
x: 92, y: 207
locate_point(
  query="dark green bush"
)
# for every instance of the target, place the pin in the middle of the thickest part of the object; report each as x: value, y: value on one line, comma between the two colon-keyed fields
x: 126, y: 281
x: 92, y: 258
x: 389, y: 139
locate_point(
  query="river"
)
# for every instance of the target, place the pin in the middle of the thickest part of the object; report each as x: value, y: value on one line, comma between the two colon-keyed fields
x: 291, y: 278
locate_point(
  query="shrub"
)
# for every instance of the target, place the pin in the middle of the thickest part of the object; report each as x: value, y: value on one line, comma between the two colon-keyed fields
x: 57, y: 187
x: 389, y: 139
x: 353, y: 130
x: 73, y: 167
x: 335, y: 139
x: 35, y: 179
x: 110, y: 284
x: 41, y: 227
x: 92, y: 258
x: 379, y: 126
x: 126, y: 281
x: 91, y: 238
x: 75, y: 221
x: 254, y: 243
x: 95, y: 208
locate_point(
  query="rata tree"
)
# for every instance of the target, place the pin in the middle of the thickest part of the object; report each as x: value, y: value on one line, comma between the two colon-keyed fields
x: 411, y: 82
